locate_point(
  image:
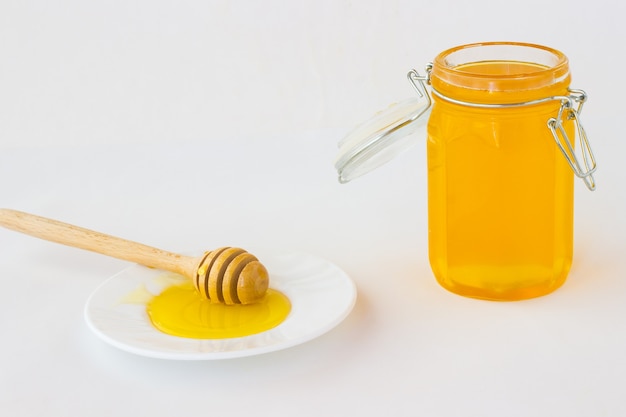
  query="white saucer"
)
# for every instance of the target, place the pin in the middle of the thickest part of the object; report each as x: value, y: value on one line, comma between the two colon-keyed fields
x: 321, y: 296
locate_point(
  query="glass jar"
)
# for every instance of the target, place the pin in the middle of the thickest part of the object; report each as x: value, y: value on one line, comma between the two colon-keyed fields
x: 501, y: 163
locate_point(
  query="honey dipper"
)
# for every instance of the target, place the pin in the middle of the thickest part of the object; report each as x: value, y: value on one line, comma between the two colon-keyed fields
x: 227, y: 275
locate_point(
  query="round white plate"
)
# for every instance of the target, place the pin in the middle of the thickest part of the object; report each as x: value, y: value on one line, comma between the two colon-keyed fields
x: 321, y: 296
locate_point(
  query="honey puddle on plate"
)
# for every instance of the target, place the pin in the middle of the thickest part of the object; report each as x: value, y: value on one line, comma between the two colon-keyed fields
x: 179, y: 311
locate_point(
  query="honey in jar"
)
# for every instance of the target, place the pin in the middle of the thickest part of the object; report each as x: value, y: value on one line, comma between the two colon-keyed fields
x: 501, y: 164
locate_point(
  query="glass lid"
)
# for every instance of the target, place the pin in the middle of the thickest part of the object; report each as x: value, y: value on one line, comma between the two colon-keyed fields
x: 382, y: 138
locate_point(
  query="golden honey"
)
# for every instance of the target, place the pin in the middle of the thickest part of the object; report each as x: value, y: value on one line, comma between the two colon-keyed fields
x: 179, y: 311
x: 500, y: 193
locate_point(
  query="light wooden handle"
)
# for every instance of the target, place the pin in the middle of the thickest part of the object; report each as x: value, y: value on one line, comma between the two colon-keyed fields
x: 70, y: 235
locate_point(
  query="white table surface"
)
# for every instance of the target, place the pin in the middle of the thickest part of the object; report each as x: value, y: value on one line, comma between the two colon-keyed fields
x: 408, y: 344
x: 409, y: 347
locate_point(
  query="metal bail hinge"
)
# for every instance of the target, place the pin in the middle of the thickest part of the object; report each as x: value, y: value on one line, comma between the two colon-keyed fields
x: 419, y: 82
x: 570, y: 109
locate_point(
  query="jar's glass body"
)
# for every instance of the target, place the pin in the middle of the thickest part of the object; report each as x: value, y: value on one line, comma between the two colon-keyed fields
x: 500, y: 193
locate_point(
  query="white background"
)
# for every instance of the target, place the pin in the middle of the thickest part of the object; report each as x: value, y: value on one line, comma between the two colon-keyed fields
x: 195, y: 124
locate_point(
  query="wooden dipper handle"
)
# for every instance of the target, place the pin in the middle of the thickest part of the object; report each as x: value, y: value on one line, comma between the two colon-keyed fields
x: 242, y: 282
x: 70, y: 235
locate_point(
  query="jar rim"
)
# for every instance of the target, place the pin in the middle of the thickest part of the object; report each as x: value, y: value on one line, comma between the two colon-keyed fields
x: 523, y: 72
x: 444, y: 60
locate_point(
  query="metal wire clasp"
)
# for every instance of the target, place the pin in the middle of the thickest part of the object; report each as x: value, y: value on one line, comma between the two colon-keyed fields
x: 419, y: 83
x: 570, y: 109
